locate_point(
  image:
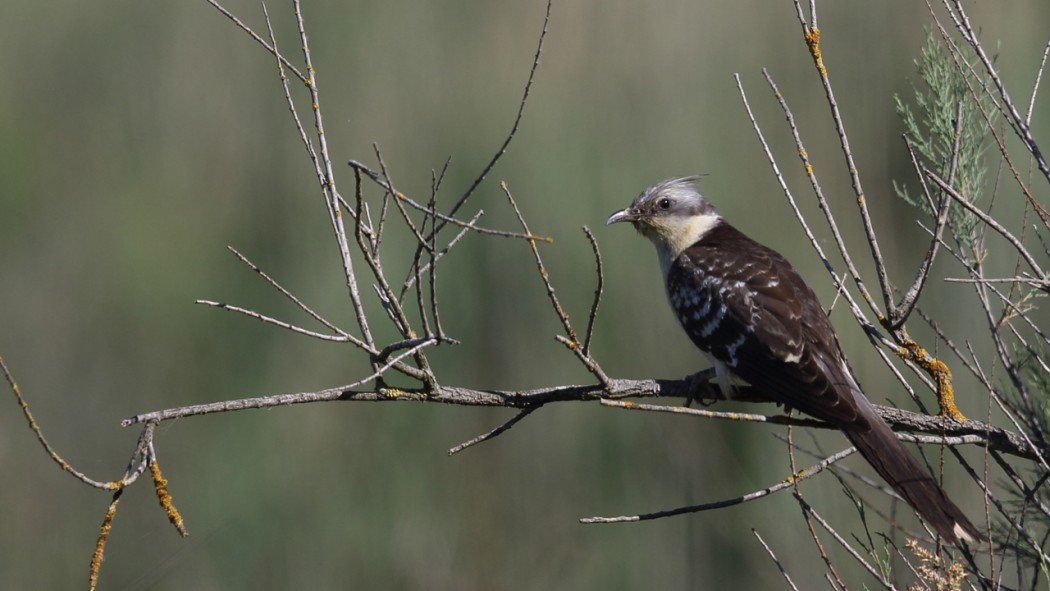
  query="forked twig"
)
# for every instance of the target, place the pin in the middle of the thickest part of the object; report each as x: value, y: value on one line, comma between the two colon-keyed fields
x: 272, y: 49
x: 988, y: 220
x: 570, y: 340
x: 899, y: 314
x: 812, y: 36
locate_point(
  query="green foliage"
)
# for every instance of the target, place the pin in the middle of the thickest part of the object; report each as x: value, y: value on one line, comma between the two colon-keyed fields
x: 1033, y: 410
x: 950, y: 147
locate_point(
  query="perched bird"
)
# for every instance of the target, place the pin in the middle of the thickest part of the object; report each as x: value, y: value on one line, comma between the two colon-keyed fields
x: 755, y: 318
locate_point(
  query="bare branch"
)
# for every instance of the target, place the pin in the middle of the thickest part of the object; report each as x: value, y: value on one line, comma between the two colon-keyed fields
x: 450, y: 219
x: 330, y: 394
x: 517, y: 118
x: 899, y: 314
x: 336, y: 338
x: 51, y: 453
x: 842, y: 542
x: 987, y: 219
x: 776, y: 561
x: 291, y: 297
x: 710, y: 414
x: 812, y: 37
x: 597, y: 291
x: 870, y: 329
x: 495, y: 432
x: 758, y: 494
x: 272, y: 49
x: 1035, y: 85
x: 570, y: 340
x: 1020, y: 126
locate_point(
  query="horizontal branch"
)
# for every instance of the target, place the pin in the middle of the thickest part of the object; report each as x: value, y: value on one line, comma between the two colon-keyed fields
x: 945, y: 429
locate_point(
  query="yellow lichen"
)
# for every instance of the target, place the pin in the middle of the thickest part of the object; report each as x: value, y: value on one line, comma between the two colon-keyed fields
x: 100, y: 541
x: 160, y: 486
x: 813, y: 41
x: 941, y: 374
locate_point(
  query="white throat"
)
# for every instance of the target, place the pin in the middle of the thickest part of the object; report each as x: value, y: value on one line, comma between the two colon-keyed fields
x: 672, y: 235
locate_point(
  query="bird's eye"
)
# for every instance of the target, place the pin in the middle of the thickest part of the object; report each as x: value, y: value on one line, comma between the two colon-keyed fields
x: 664, y: 204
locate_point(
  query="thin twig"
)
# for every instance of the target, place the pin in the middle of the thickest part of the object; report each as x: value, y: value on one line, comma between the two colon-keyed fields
x: 832, y: 572
x: 299, y: 127
x: 967, y: 73
x: 272, y: 49
x: 291, y: 297
x: 517, y: 118
x: 323, y: 161
x: 447, y: 218
x: 335, y: 338
x: 100, y: 542
x: 899, y: 314
x: 776, y: 560
x: 822, y: 203
x: 570, y: 339
x: 962, y: 22
x: 846, y: 545
x: 812, y: 37
x: 439, y: 254
x: 758, y: 494
x: 987, y: 219
x: 493, y: 433
x: 710, y: 414
x: 599, y: 286
x: 1035, y: 85
x: 39, y: 433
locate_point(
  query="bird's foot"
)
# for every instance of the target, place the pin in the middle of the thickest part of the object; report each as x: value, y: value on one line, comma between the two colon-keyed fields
x: 701, y: 390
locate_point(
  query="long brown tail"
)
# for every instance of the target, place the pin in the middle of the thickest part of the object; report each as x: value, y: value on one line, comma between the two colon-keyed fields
x: 908, y: 477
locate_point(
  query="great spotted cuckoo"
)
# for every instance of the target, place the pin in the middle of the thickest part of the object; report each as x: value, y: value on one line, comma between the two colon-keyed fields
x: 755, y: 319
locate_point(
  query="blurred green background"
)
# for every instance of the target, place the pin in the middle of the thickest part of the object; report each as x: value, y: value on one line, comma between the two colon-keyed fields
x: 138, y: 139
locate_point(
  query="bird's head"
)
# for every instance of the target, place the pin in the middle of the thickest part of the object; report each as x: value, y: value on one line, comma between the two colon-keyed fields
x: 672, y: 214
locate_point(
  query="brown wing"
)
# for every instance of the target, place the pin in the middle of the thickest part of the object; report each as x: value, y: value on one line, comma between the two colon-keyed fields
x: 745, y: 305
x: 754, y: 313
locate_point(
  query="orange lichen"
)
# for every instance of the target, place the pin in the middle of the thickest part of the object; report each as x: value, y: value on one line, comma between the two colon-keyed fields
x: 160, y: 485
x: 100, y: 542
x: 938, y: 370
x: 813, y: 41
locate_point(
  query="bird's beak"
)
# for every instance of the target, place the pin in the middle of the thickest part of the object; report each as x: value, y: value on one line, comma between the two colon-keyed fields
x: 624, y: 215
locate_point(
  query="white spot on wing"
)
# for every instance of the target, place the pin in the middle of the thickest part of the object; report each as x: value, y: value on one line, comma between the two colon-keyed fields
x: 957, y: 529
x: 705, y: 308
x: 731, y: 350
x: 712, y: 325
